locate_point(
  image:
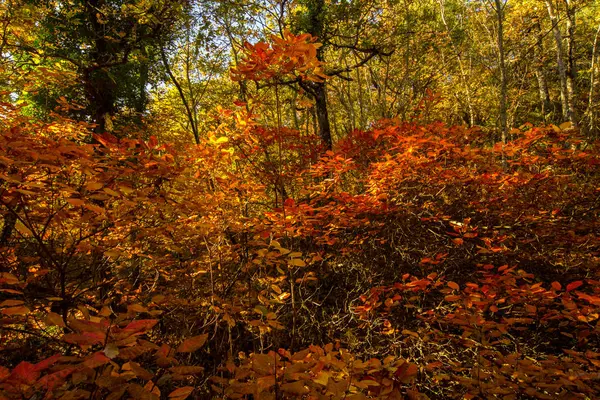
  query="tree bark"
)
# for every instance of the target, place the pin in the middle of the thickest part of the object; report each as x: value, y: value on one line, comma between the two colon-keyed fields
x: 540, y: 73
x: 319, y: 93
x: 499, y: 7
x: 567, y: 111
x: 571, y: 70
x: 318, y: 90
x: 591, y: 113
x: 463, y: 76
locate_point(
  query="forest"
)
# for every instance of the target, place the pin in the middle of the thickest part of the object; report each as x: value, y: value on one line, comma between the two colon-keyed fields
x: 299, y: 199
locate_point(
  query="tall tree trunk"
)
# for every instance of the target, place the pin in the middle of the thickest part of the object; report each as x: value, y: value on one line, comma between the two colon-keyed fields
x: 591, y: 113
x: 571, y: 71
x: 320, y: 95
x: 540, y: 73
x: 318, y: 90
x: 560, y: 60
x: 188, y: 111
x: 463, y: 75
x: 99, y: 86
x: 503, y: 78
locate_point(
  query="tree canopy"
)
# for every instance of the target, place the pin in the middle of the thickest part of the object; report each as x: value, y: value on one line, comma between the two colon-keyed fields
x: 299, y: 199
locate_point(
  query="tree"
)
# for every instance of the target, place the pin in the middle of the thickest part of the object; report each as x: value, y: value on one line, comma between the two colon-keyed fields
x: 108, y: 43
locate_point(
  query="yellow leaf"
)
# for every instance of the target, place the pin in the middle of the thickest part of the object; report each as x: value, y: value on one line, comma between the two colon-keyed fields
x: 53, y: 319
x: 297, y: 262
x: 566, y: 125
x: 322, y: 378
x: 22, y: 229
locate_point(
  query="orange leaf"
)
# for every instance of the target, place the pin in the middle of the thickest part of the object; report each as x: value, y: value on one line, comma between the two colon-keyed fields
x: 574, y: 285
x: 22, y: 310
x: 453, y: 285
x: 181, y: 393
x: 76, y: 202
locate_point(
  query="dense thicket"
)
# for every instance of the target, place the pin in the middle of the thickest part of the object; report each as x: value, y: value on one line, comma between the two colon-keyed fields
x: 304, y: 199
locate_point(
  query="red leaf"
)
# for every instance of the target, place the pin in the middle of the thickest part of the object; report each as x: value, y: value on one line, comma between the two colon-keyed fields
x: 289, y: 202
x: 97, y: 359
x: 556, y: 285
x: 47, y: 363
x: 25, y: 372
x: 192, y: 344
x: 141, y: 325
x: 52, y: 381
x: 87, y: 338
x: 574, y: 285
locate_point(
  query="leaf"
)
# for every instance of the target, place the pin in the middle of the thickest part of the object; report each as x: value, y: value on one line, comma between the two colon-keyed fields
x: 181, y: 393
x: 151, y: 387
x: 574, y: 285
x: 453, y: 285
x: 96, y: 360
x: 111, y: 350
x: 25, y: 372
x: 192, y: 344
x: 22, y: 229
x: 141, y: 325
x: 297, y: 262
x: 52, y: 381
x: 75, y: 202
x: 556, y: 285
x: 186, y: 370
x: 322, y: 378
x: 137, y: 308
x: 94, y: 186
x: 53, y: 319
x: 85, y: 339
x: 47, y: 363
x: 11, y: 303
x: 138, y: 371
x: 21, y: 310
x: 296, y: 388
x: 566, y: 125
x: 139, y: 393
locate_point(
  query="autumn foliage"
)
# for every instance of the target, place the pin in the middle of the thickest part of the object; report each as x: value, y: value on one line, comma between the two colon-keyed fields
x: 412, y: 261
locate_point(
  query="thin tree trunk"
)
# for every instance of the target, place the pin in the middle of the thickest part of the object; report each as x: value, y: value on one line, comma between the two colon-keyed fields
x: 540, y: 73
x: 560, y: 60
x: 590, y: 108
x: 184, y: 100
x: 571, y: 71
x: 318, y: 89
x: 463, y: 77
x: 320, y: 95
x: 503, y: 78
